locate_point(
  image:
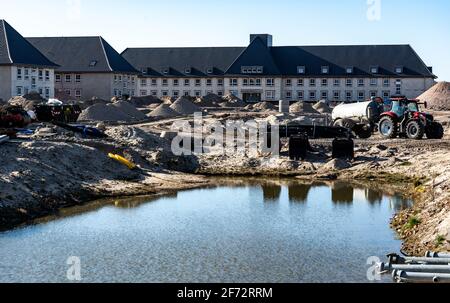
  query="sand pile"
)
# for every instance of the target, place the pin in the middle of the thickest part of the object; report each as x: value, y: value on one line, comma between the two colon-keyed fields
x: 163, y: 111
x: 210, y: 100
x: 144, y: 101
x: 87, y: 103
x: 167, y: 100
x: 121, y: 111
x: 302, y: 107
x: 27, y: 101
x: 184, y: 106
x: 322, y: 107
x: 437, y: 97
x: 231, y: 100
x: 264, y: 106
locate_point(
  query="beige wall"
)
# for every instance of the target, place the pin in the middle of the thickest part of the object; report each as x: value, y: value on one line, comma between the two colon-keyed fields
x: 5, y: 82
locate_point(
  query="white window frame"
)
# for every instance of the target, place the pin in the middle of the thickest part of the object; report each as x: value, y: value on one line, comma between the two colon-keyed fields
x: 325, y: 70
x: 301, y: 69
x: 312, y: 82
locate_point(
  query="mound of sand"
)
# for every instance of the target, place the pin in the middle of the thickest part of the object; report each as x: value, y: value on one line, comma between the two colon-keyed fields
x: 87, y: 103
x: 129, y: 110
x: 210, y: 100
x: 163, y: 111
x: 184, y: 106
x: 264, y: 106
x: 103, y: 112
x: 231, y: 100
x: 167, y: 100
x: 322, y: 107
x: 27, y: 101
x: 302, y: 107
x: 437, y: 97
x: 144, y: 101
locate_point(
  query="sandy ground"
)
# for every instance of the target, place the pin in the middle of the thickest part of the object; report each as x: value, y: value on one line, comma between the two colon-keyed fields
x: 39, y: 176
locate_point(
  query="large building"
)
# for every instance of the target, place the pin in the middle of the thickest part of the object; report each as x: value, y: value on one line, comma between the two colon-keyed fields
x: 23, y: 68
x: 88, y: 67
x: 263, y: 72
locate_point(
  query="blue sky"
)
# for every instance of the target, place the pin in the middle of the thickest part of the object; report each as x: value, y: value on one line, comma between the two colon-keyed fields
x: 133, y: 23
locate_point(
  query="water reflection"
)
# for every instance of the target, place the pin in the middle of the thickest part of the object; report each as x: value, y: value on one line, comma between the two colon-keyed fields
x: 342, y: 193
x: 271, y: 192
x: 298, y: 192
x: 374, y: 196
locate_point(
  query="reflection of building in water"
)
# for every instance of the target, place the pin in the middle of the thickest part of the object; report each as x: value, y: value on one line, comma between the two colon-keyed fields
x: 397, y: 203
x: 342, y: 193
x: 374, y: 196
x: 298, y: 192
x: 271, y: 192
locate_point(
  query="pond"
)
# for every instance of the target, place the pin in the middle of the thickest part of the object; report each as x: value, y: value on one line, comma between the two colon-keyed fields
x: 248, y: 231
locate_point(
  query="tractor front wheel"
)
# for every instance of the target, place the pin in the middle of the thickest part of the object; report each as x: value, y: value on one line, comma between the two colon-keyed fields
x: 388, y: 127
x: 415, y: 130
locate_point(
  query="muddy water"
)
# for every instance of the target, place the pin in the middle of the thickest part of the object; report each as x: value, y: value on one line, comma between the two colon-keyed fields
x: 271, y: 232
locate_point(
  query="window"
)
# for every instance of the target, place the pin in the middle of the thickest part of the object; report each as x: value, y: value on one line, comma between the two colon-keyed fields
x: 270, y: 82
x: 198, y: 82
x: 337, y: 82
x: 186, y: 93
x: 220, y: 93
x: 324, y: 82
x: 176, y: 94
x: 208, y: 82
x: 165, y: 93
x: 219, y: 82
x: 300, y: 95
x: 187, y: 82
x: 165, y: 82
x: 270, y: 94
x: 187, y: 70
x: 373, y: 93
x: 19, y: 91
x: 132, y: 80
x: 198, y: 93
x: 252, y: 69
x: 348, y: 95
x: 143, y: 93
x: 373, y: 82
x: 349, y: 70
x: 324, y: 95
x: 68, y: 92
x: 300, y: 82
x: 57, y: 78
x: 360, y: 82
x: 93, y: 63
x: 233, y: 82
x: 40, y: 75
x: 47, y: 92
x: 68, y: 78
x: 143, y: 82
x: 374, y: 70
x: 398, y: 87
x: 154, y: 93
x: 288, y: 82
x: 176, y: 82
x: 47, y: 75
x: 78, y: 78
x: 27, y: 73
x: 165, y: 70
x: 154, y: 82
x: 19, y: 74
x: 399, y: 69
x: 312, y: 82
x: 209, y: 70
x: 349, y: 82
x: 288, y: 94
x: 301, y: 70
x: 361, y: 95
x: 120, y: 78
x: 245, y: 82
x: 325, y: 69
x: 144, y: 71
x: 312, y: 95
x: 78, y: 93
x: 386, y: 82
x: 337, y: 95
x: 386, y: 94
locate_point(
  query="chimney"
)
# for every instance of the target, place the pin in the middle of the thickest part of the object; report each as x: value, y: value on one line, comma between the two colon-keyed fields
x: 266, y: 38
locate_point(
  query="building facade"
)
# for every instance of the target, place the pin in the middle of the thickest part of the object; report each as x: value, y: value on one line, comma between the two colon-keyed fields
x: 262, y: 72
x: 88, y: 67
x: 23, y: 68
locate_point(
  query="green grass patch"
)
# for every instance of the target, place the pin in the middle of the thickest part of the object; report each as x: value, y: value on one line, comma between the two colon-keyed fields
x: 407, y: 163
x: 440, y: 240
x: 412, y: 222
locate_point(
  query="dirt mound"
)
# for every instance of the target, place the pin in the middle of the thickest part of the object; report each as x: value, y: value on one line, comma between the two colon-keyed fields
x: 144, y: 101
x: 62, y: 96
x: 87, y: 103
x: 264, y: 106
x: 27, y: 101
x: 322, y: 107
x: 130, y: 110
x: 167, y: 100
x: 163, y: 111
x: 437, y: 97
x: 210, y: 100
x: 184, y: 106
x: 103, y: 112
x: 231, y: 100
x: 302, y: 107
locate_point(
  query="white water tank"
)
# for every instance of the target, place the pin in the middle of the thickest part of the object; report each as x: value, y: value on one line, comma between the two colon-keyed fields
x: 354, y: 110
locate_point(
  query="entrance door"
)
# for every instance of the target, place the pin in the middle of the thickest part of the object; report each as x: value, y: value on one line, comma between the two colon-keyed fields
x: 252, y: 97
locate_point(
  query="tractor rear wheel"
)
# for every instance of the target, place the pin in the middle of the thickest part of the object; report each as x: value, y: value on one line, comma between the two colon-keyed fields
x: 434, y: 131
x: 388, y: 127
x: 415, y: 130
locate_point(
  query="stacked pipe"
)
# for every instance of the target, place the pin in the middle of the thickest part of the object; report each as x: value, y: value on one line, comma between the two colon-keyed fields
x: 433, y: 268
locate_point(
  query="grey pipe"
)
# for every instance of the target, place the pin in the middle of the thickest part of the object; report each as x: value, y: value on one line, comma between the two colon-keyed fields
x: 401, y: 276
x: 426, y: 260
x: 431, y: 254
x: 387, y: 267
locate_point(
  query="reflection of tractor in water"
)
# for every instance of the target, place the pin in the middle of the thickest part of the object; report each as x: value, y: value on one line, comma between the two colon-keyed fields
x: 403, y: 118
x: 394, y: 117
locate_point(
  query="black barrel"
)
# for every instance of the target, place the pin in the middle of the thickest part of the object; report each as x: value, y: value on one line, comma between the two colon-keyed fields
x: 343, y: 148
x: 298, y: 147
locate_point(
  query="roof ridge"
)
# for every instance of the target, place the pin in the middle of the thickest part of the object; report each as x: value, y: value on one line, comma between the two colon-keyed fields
x: 6, y: 41
x: 106, y: 55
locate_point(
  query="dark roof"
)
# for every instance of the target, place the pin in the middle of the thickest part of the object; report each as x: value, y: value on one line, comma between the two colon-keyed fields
x: 82, y: 54
x: 15, y: 49
x: 280, y: 60
x: 199, y: 59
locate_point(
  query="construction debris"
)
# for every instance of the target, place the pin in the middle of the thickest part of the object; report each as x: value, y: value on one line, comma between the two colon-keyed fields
x: 264, y: 106
x: 302, y: 107
x: 210, y: 100
x: 322, y: 107
x: 437, y: 97
x: 144, y: 101
x: 28, y: 101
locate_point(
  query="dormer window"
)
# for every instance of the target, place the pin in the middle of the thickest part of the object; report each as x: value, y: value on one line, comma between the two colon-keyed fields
x: 325, y: 69
x: 252, y: 69
x: 166, y: 70
x: 399, y: 69
x: 187, y: 70
x: 374, y: 69
x: 301, y: 70
x: 93, y: 63
x: 209, y: 70
x: 144, y: 71
x: 349, y: 69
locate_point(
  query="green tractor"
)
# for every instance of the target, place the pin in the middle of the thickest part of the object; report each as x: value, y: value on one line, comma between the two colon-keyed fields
x: 402, y: 118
